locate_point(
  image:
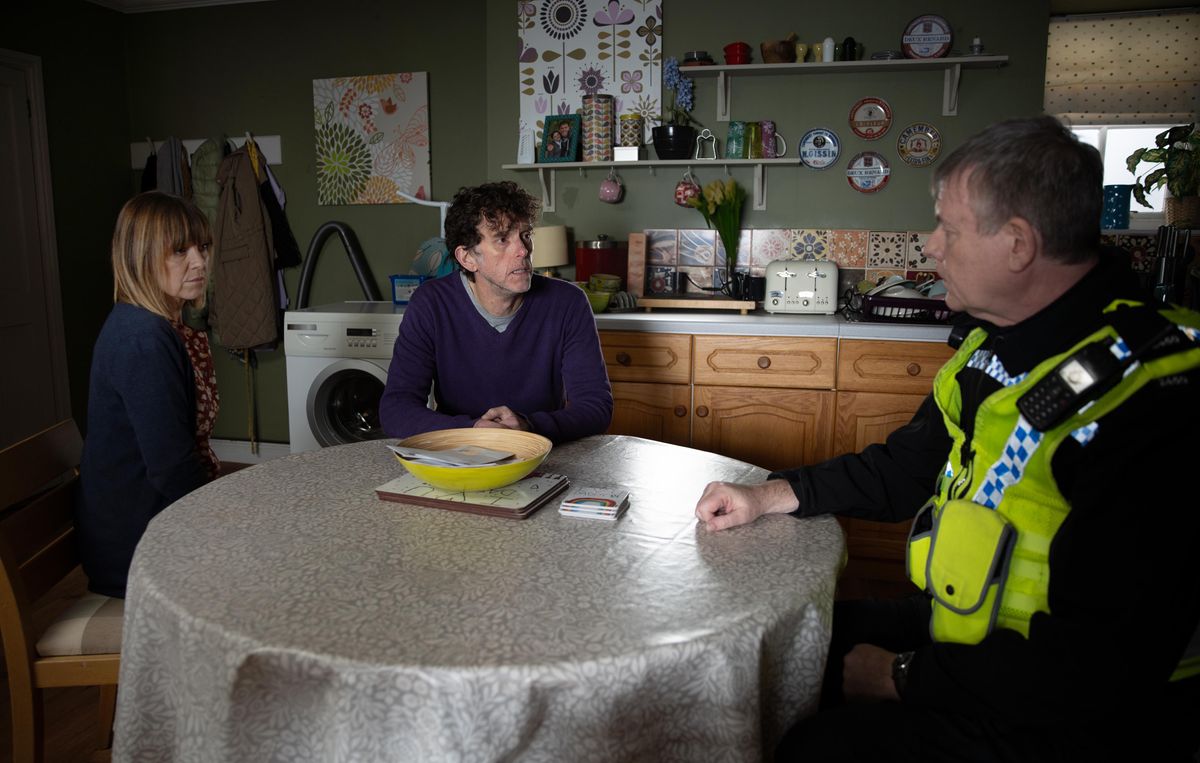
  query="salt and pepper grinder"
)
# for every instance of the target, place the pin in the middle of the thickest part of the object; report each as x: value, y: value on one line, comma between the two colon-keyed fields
x: 849, y: 49
x: 827, y: 50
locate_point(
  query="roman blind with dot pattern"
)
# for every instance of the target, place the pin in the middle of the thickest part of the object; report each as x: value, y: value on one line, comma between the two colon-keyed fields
x: 1124, y: 68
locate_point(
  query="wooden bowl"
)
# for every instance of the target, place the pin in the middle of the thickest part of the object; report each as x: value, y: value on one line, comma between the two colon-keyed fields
x: 778, y: 51
x: 529, y: 451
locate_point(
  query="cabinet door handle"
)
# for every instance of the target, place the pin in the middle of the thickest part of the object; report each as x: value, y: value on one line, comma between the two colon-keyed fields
x: 914, y: 369
x: 702, y: 411
x: 680, y: 411
x: 764, y: 362
x: 623, y: 358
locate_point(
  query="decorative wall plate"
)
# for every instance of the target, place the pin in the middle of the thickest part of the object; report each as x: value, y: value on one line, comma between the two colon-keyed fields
x: 927, y: 36
x: 868, y: 172
x: 819, y: 148
x: 870, y: 118
x: 919, y: 144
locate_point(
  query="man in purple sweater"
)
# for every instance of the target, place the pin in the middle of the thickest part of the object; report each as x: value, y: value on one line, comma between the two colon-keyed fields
x: 500, y: 346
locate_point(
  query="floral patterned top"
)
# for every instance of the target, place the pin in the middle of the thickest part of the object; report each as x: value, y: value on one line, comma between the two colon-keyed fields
x: 208, y: 402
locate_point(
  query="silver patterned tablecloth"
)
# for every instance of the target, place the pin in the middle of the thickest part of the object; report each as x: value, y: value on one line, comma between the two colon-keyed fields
x: 284, y: 613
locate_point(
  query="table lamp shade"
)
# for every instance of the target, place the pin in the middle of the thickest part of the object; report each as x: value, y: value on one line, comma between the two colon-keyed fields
x: 549, y: 246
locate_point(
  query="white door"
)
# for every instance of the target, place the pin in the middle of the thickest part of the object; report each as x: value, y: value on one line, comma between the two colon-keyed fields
x: 33, y: 372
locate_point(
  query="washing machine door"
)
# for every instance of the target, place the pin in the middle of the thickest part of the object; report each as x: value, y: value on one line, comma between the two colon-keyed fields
x: 343, y: 402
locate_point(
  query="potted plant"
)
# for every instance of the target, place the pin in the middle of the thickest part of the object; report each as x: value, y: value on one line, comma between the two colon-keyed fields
x: 1178, y: 150
x: 675, y: 138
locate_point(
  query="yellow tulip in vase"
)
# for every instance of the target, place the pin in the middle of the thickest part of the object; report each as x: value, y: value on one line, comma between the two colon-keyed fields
x: 721, y: 203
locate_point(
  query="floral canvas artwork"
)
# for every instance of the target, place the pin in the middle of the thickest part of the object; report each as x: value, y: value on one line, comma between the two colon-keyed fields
x: 372, y: 138
x: 567, y: 49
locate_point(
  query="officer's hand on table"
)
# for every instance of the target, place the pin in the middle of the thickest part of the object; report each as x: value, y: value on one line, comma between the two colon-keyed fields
x: 867, y: 674
x: 728, y: 504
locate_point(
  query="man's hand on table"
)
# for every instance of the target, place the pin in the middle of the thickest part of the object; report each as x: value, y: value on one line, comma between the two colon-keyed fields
x: 728, y: 504
x: 502, y: 417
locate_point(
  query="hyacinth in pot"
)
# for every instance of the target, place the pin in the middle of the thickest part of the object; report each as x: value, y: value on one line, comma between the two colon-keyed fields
x: 675, y: 138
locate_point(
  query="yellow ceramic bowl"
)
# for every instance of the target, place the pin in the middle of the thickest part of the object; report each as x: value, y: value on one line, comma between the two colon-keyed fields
x: 598, y: 300
x: 529, y: 449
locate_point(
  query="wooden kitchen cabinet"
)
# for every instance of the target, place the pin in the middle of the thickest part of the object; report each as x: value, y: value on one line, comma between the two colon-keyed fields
x: 645, y: 357
x: 767, y: 426
x: 651, y: 377
x: 764, y: 400
x: 660, y: 412
x: 881, y: 384
x: 756, y: 361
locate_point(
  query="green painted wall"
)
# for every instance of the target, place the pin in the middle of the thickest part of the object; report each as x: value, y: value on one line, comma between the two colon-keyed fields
x: 229, y: 69
x: 111, y: 79
x: 798, y: 197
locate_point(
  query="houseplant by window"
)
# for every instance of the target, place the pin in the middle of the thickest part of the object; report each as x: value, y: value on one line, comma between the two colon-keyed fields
x: 675, y: 138
x: 1178, y: 150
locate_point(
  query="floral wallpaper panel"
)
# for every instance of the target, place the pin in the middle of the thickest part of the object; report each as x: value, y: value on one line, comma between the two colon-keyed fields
x: 567, y: 49
x: 372, y: 138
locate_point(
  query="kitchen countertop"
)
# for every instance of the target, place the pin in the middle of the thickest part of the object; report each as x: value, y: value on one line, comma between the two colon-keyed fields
x: 760, y: 323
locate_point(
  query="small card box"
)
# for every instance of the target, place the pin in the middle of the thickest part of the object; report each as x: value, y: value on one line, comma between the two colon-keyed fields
x: 404, y: 286
x: 594, y: 503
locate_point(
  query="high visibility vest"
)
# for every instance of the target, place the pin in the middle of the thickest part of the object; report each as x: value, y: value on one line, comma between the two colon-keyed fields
x: 981, y: 546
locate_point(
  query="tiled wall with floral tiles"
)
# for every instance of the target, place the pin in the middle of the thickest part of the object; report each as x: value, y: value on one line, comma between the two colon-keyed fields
x: 692, y: 260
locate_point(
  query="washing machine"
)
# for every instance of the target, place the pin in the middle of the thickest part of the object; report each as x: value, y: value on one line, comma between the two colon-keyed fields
x: 337, y: 363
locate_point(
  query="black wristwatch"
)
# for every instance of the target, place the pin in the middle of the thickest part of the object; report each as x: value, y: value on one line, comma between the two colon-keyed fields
x: 900, y: 670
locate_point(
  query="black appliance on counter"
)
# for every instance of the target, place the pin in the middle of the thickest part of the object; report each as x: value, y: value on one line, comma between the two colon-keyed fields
x: 1173, y: 261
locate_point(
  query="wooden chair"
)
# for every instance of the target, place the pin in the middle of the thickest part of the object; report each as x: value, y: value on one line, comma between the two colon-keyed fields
x: 38, y: 477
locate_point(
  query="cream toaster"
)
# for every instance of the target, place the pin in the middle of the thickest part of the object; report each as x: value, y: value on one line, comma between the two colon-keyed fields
x: 801, y: 286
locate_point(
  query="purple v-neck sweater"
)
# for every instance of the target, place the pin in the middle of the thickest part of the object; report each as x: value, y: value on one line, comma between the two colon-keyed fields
x: 546, y: 365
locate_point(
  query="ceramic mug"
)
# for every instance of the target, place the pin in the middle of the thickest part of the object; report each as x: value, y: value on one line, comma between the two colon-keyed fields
x: 773, y: 144
x: 735, y: 140
x: 611, y: 189
x: 686, y: 189
x: 754, y: 140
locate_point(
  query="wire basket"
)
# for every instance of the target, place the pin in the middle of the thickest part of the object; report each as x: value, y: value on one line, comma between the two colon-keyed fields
x: 904, y: 310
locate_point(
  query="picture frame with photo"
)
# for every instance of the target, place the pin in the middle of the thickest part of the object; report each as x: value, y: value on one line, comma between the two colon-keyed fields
x: 560, y: 138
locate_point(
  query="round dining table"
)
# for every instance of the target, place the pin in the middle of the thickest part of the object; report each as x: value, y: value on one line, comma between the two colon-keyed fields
x: 285, y: 613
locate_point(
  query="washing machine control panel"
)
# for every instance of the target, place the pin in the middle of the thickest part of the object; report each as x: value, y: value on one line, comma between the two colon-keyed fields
x: 342, y: 335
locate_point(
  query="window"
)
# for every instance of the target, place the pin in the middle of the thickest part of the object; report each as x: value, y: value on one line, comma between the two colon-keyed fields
x: 1115, y: 143
x: 1121, y: 79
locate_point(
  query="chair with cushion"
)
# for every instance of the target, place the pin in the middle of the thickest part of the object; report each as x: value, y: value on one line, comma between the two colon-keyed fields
x: 37, y: 553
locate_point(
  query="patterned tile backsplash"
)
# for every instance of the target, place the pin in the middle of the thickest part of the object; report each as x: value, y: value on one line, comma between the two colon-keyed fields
x: 689, y: 258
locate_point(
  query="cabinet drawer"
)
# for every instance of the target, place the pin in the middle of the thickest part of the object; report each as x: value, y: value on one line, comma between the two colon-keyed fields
x: 750, y: 361
x: 866, y: 365
x: 645, y: 357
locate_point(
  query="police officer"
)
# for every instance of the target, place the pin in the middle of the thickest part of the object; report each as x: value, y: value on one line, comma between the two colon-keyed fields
x: 1059, y: 581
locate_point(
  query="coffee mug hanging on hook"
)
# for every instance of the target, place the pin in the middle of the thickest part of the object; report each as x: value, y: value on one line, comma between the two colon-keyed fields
x: 706, y: 145
x: 611, y: 189
x: 686, y: 189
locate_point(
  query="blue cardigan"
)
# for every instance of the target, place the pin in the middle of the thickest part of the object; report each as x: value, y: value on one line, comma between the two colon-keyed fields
x: 140, y: 452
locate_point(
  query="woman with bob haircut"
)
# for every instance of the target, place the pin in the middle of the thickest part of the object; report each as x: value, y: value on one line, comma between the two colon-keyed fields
x: 152, y: 398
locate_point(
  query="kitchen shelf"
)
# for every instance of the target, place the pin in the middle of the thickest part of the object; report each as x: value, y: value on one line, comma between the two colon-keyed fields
x: 547, y: 171
x: 951, y: 68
